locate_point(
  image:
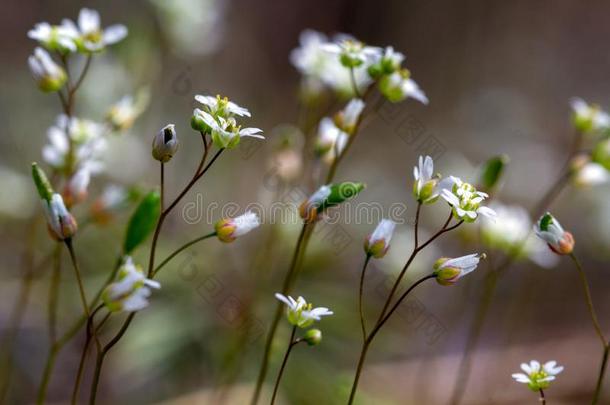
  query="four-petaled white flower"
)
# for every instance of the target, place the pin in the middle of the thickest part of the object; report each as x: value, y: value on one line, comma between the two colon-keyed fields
x: 425, y: 188
x: 538, y: 376
x: 589, y: 117
x: 465, y: 199
x: 378, y: 243
x: 89, y: 35
x: 449, y: 271
x: 131, y: 290
x: 48, y: 75
x: 300, y: 313
x: 53, y: 37
x: 229, y: 229
x: 550, y: 230
x: 353, y: 53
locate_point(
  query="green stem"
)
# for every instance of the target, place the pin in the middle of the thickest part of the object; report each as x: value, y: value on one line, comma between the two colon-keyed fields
x: 291, y: 344
x: 180, y: 249
x: 362, y: 273
x: 600, y: 377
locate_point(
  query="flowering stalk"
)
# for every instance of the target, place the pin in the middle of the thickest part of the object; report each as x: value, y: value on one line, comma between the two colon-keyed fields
x: 360, y: 290
x: 291, y: 343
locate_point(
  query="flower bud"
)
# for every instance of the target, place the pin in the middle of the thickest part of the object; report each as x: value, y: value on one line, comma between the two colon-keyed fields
x: 228, y: 229
x: 45, y: 191
x: 313, y: 337
x: 589, y: 118
x: 425, y: 188
x: 399, y: 86
x: 550, y: 230
x: 165, y: 144
x: 49, y: 75
x: 347, y: 119
x: 449, y: 271
x: 378, y: 243
x: 61, y: 223
x: 198, y: 122
x: 328, y: 196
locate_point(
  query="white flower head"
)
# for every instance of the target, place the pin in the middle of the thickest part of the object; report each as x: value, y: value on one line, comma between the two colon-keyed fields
x: 538, y: 376
x: 353, y: 53
x: 76, y: 187
x: 425, y: 188
x: 130, y: 292
x: 53, y: 37
x: 348, y: 118
x: 331, y: 141
x: 48, y: 75
x: 226, y: 133
x: 399, y: 86
x: 589, y: 118
x: 89, y: 34
x: 377, y: 244
x: 300, y: 313
x: 550, y: 230
x: 221, y: 106
x: 449, y: 271
x: 465, y: 199
x: 591, y: 174
x: 61, y: 223
x: 123, y: 113
x: 229, y: 229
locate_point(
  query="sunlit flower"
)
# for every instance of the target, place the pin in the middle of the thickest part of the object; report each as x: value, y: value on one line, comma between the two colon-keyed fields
x: 353, y: 53
x: 589, y: 117
x: 378, y: 243
x: 399, y: 86
x: 61, y: 223
x: 300, y: 313
x: 550, y: 230
x: 48, y: 75
x: 425, y: 188
x: 221, y: 106
x: 465, y: 200
x: 53, y: 37
x: 229, y: 229
x: 449, y: 271
x: 123, y: 113
x: 131, y: 290
x: 538, y: 376
x: 165, y: 144
x: 89, y: 35
x: 225, y: 132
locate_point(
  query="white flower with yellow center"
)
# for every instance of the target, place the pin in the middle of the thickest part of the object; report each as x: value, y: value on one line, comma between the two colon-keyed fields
x: 300, y: 313
x: 131, y: 290
x: 538, y: 376
x: 425, y: 188
x: 589, y: 117
x: 53, y: 37
x: 89, y: 34
x: 353, y: 53
x: 465, y: 200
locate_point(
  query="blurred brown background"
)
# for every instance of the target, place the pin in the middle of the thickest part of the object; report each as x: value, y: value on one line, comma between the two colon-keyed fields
x: 499, y: 76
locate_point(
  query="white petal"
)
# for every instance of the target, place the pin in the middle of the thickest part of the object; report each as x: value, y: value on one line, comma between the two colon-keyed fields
x: 114, y: 34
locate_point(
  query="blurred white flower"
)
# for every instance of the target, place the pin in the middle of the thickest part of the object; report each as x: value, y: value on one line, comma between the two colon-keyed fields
x: 536, y: 376
x: 351, y: 52
x: 123, y: 113
x: 61, y: 223
x: 589, y: 117
x: 465, y: 199
x: 53, y: 37
x: 48, y: 75
x: 131, y: 290
x: 449, y: 271
x: 221, y: 106
x: 75, y: 190
x: 89, y: 34
x: 330, y: 140
x: 300, y: 313
x: 591, y: 174
x: 399, y: 86
x: 378, y: 243
x: 425, y: 189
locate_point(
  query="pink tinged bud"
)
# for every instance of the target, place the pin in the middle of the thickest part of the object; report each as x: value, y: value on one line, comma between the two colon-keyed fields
x: 377, y: 244
x: 229, y: 229
x: 565, y: 246
x: 550, y: 230
x: 61, y: 223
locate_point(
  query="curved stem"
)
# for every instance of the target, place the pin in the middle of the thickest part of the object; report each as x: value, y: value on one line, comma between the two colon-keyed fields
x: 82, y: 76
x: 83, y: 357
x: 362, y: 273
x: 542, y: 398
x: 162, y: 176
x: 81, y: 288
x: 179, y: 250
x: 291, y: 344
x: 600, y: 377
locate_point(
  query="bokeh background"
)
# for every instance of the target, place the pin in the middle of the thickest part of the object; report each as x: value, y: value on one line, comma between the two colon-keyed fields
x: 499, y: 76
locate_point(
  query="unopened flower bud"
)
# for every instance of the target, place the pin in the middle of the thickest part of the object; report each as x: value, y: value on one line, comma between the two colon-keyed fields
x: 425, y: 188
x: 309, y: 209
x: 550, y: 230
x: 378, y: 243
x: 399, y: 86
x: 165, y: 144
x: 589, y: 118
x: 601, y: 153
x: 347, y: 119
x: 449, y: 271
x: 61, y: 223
x: 313, y: 337
x: 45, y: 190
x: 228, y: 229
x: 49, y: 75
x: 328, y: 196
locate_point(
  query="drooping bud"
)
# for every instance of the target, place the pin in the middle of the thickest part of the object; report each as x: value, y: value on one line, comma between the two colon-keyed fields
x: 61, y: 223
x: 550, y: 230
x: 165, y: 144
x: 49, y: 76
x: 378, y: 243
x: 229, y: 229
x: 449, y: 271
x: 313, y: 337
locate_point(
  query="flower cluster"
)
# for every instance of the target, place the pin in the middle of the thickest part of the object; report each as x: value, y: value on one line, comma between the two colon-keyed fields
x: 218, y: 118
x: 538, y: 376
x: 130, y: 292
x: 347, y: 65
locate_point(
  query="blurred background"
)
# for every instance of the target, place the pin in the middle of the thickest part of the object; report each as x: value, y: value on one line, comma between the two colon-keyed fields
x: 499, y: 76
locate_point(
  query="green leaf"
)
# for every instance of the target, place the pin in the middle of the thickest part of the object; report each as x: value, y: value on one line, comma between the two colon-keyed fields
x: 492, y: 170
x: 143, y: 221
x: 340, y: 193
x: 45, y: 190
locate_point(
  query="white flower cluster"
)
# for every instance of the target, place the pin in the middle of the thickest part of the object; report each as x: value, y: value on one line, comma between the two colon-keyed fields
x: 344, y: 63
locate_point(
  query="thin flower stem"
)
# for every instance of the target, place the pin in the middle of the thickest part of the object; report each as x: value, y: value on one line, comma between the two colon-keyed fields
x: 589, y: 299
x: 80, y: 79
x: 180, y: 249
x: 542, y: 398
x: 362, y: 274
x: 291, y: 344
x: 371, y: 336
x: 600, y: 377
x: 81, y: 288
x: 352, y: 76
x: 162, y: 177
x: 53, y: 294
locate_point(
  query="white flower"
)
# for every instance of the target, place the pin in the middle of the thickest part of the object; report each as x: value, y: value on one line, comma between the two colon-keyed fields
x: 550, y: 230
x: 76, y: 187
x: 131, y: 290
x: 591, y: 174
x: 331, y: 140
x: 53, y: 37
x: 350, y: 115
x: 378, y: 243
x: 536, y: 376
x: 589, y: 117
x: 226, y: 133
x: 353, y: 53
x: 90, y: 36
x: 425, y: 188
x: 229, y: 229
x: 48, y: 75
x: 449, y: 271
x: 399, y: 86
x: 123, y: 113
x: 300, y: 313
x: 465, y: 199
x: 218, y: 106
x: 61, y: 223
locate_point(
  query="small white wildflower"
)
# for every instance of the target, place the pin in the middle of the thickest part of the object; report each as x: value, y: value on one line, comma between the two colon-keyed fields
x: 465, y: 199
x: 131, y: 290
x: 330, y: 140
x: 89, y: 34
x: 62, y: 224
x: 226, y: 133
x: 538, y: 376
x: 353, y: 53
x: 399, y: 86
x: 123, y: 113
x: 550, y: 230
x: 449, y: 271
x: 76, y: 187
x: 589, y: 117
x: 591, y: 174
x: 300, y: 313
x: 425, y: 188
x: 48, y: 75
x: 221, y: 106
x: 229, y: 229
x: 53, y: 37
